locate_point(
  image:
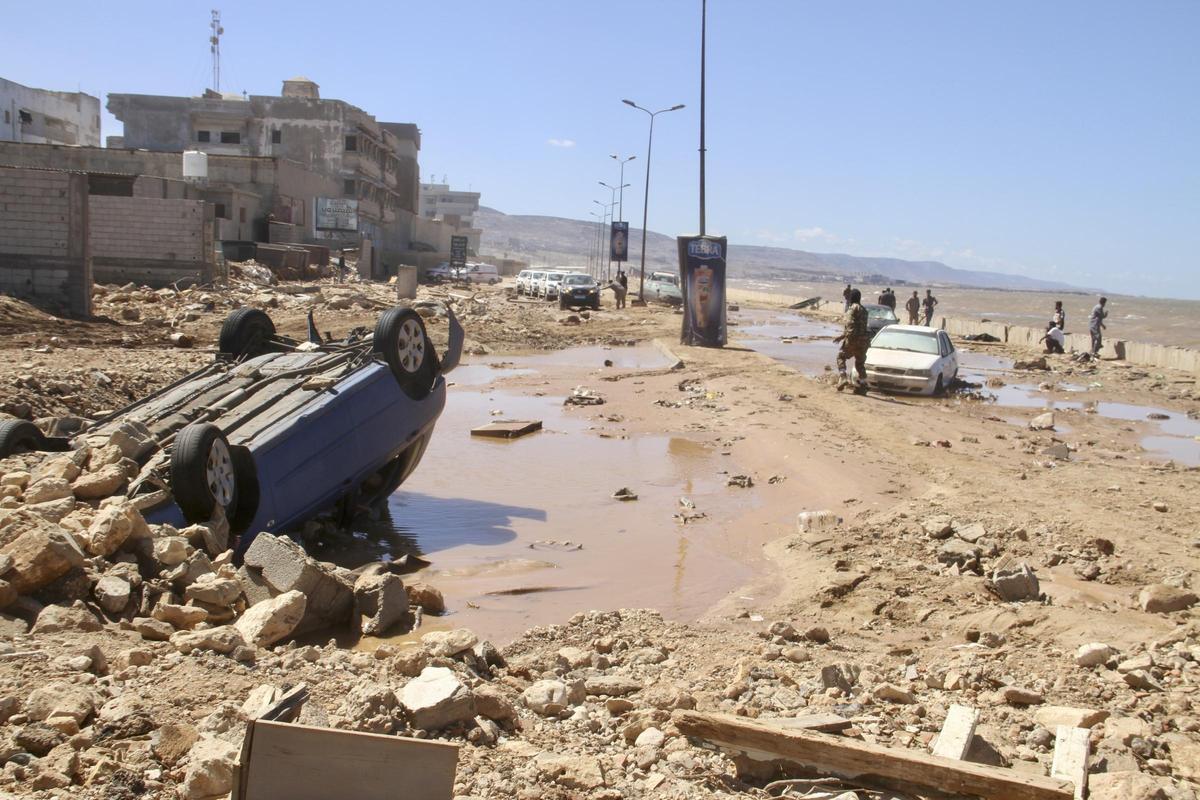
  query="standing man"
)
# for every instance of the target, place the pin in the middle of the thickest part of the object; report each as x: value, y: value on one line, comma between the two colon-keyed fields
x: 1060, y: 316
x: 341, y: 265
x: 846, y: 298
x: 1096, y: 325
x: 621, y: 288
x: 889, y: 299
x: 928, y: 304
x: 914, y: 308
x: 855, y: 340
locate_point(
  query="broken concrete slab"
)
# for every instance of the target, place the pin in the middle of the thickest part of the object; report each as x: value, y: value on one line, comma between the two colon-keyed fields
x: 437, y: 698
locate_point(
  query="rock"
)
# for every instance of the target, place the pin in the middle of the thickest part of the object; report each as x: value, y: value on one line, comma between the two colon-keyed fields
x: 111, y: 526
x: 55, y: 510
x: 1143, y: 680
x: 437, y: 698
x: 1125, y: 729
x: 490, y: 703
x: 573, y: 658
x: 133, y: 439
x: 938, y: 527
x: 610, y: 685
x: 381, y: 602
x: 410, y: 662
x: 1125, y: 785
x: 223, y: 639
x: 1020, y: 696
x: 646, y: 655
x: 153, y: 630
x: 260, y: 700
x: 959, y: 553
x: 893, y: 694
x: 1014, y: 582
x: 8, y: 594
x: 1058, y: 451
x: 1094, y: 654
x: 19, y: 478
x: 38, y: 738
x: 181, y: 617
x: 1162, y: 599
x: 254, y: 588
x: 449, y: 643
x: 285, y: 566
x: 797, y: 655
x: 783, y: 630
x: 1160, y: 506
x: 584, y: 773
x: 817, y: 634
x: 133, y: 657
x: 40, y: 557
x: 209, y: 774
x: 823, y: 520
x: 269, y: 621
x: 546, y: 697
x: 1042, y: 422
x: 171, y: 551
x: 57, y: 700
x: 425, y: 597
x: 971, y: 533
x: 1050, y: 717
x: 1038, y: 363
x: 651, y: 737
x: 181, y: 340
x: 843, y: 676
x: 112, y: 593
x: 214, y: 589
x: 172, y: 741
x: 1143, y: 661
x: 1185, y: 756
x: 57, y: 619
x: 47, y: 489
x: 371, y: 707
x: 105, y: 482
x: 213, y: 536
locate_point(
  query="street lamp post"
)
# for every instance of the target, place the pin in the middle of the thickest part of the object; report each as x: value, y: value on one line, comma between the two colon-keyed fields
x: 646, y: 199
x: 614, y: 190
x: 622, y: 184
x: 608, y: 208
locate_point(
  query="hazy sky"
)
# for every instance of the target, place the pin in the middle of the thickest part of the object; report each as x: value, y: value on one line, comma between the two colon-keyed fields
x: 1055, y: 139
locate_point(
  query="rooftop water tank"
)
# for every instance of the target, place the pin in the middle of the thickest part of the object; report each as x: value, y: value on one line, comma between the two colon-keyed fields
x: 195, y: 165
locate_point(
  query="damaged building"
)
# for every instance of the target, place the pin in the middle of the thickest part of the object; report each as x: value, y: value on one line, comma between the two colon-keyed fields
x: 42, y: 116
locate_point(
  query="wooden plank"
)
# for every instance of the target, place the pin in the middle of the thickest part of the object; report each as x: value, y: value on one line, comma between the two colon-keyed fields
x: 1071, y: 749
x: 507, y: 428
x: 900, y: 770
x: 825, y: 723
x: 957, y: 731
x: 299, y: 762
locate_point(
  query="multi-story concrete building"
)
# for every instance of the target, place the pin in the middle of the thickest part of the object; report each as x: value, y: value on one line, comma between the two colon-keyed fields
x: 374, y: 163
x: 41, y: 116
x: 457, y: 209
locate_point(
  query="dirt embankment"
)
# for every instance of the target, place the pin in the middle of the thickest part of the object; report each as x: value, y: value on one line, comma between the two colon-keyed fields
x: 1043, y: 577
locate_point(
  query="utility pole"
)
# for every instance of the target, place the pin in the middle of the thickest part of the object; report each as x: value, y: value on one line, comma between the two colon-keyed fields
x: 214, y: 47
x: 646, y: 198
x: 703, y: 32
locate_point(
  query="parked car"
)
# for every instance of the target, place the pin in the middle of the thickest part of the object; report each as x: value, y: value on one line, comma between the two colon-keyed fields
x: 439, y: 274
x: 879, y: 317
x: 522, y: 281
x: 578, y: 289
x: 550, y: 282
x: 276, y: 431
x: 664, y: 287
x: 911, y: 359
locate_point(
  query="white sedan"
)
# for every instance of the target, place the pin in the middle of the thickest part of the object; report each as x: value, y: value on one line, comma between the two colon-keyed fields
x: 911, y: 359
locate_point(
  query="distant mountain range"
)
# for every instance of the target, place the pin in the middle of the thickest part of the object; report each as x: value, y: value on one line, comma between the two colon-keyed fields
x: 562, y: 241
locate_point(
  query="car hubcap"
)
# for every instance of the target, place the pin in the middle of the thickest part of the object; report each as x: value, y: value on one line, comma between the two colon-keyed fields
x: 410, y: 346
x: 219, y: 471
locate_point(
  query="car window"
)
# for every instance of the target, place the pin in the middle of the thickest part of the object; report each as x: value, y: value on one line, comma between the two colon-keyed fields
x: 912, y: 341
x: 577, y: 280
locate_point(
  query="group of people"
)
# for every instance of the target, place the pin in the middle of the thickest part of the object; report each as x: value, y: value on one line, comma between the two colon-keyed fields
x: 1055, y: 338
x: 914, y: 306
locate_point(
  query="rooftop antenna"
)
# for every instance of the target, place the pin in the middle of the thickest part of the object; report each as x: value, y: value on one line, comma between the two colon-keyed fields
x: 214, y: 47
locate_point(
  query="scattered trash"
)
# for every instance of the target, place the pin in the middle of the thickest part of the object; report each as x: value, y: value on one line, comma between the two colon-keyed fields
x: 581, y: 396
x: 741, y: 481
x: 625, y: 493
x: 507, y: 428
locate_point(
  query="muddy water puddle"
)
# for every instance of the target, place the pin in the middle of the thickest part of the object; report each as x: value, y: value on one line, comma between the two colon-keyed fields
x: 792, y: 339
x: 526, y: 532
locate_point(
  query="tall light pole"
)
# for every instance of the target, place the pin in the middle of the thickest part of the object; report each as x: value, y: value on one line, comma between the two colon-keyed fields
x: 592, y: 247
x: 622, y: 184
x: 703, y: 150
x: 614, y: 190
x: 608, y: 208
x: 646, y: 199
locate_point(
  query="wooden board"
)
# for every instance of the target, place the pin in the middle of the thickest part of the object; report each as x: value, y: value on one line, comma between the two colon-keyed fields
x: 900, y: 770
x: 299, y: 762
x: 957, y: 731
x: 507, y: 428
x: 1071, y: 748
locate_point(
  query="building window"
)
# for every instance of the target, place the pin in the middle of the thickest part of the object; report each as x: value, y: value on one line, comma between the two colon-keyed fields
x: 219, y: 210
x: 276, y: 136
x: 25, y: 116
x: 231, y: 137
x: 348, y: 188
x: 203, y: 136
x: 242, y: 214
x: 351, y: 143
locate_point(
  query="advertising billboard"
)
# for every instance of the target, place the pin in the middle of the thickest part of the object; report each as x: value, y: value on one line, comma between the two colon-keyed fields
x: 619, y: 243
x: 702, y: 270
x: 458, y: 252
x: 336, y: 214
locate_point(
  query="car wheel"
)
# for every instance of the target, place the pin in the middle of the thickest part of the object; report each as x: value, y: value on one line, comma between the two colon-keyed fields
x: 246, y: 332
x: 939, y: 388
x: 20, y: 436
x: 248, y: 493
x: 400, y: 336
x: 203, y: 472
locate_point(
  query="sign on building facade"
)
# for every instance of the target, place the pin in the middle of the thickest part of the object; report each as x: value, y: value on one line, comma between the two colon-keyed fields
x: 336, y: 214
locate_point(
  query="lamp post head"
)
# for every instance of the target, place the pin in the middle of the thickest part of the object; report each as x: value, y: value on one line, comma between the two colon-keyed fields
x: 630, y: 103
x: 676, y: 108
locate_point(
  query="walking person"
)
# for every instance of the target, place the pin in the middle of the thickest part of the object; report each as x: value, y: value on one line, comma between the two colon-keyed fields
x: 1096, y: 325
x: 928, y: 304
x: 1060, y: 316
x: 855, y: 340
x: 846, y: 298
x: 913, y: 306
x: 620, y: 288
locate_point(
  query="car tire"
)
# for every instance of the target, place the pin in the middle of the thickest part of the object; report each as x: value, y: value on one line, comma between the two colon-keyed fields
x: 248, y: 493
x: 203, y: 473
x: 20, y: 436
x: 939, y: 388
x: 246, y: 332
x: 401, y: 338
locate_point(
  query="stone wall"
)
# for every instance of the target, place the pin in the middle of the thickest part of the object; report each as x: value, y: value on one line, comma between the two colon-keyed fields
x: 44, y: 254
x: 151, y: 241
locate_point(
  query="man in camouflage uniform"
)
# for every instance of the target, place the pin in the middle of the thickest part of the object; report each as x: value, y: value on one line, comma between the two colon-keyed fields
x: 855, y: 340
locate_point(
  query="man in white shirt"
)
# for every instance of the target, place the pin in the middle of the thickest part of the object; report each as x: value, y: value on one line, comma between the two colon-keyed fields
x: 1054, y: 339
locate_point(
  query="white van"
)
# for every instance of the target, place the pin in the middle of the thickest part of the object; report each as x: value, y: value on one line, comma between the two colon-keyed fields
x: 481, y: 273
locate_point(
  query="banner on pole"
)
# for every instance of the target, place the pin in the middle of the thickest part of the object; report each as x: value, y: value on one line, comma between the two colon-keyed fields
x: 619, y: 244
x: 702, y: 273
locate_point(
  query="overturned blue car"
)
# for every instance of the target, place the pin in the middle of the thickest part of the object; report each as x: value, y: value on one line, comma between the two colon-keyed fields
x: 276, y: 431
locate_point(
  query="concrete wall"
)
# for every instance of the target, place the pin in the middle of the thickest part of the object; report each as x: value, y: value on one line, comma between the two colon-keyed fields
x: 44, y: 254
x: 151, y: 241
x: 71, y: 118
